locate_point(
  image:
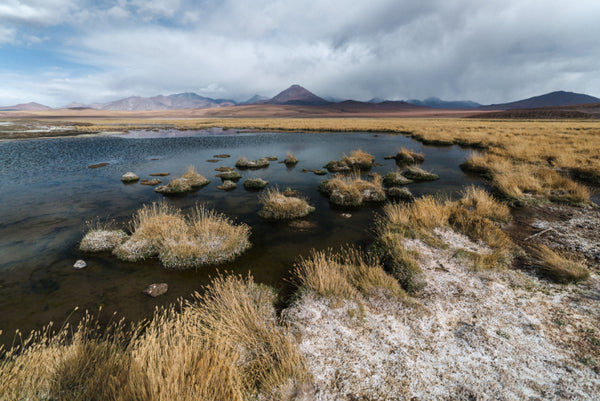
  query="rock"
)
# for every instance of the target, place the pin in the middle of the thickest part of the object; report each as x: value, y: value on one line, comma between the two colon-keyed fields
x: 98, y: 165
x: 223, y: 156
x: 399, y: 193
x: 156, y: 289
x: 80, y: 264
x: 129, y: 177
x: 151, y: 182
x: 159, y: 174
x: 346, y: 215
x: 228, y: 185
x: 255, y: 183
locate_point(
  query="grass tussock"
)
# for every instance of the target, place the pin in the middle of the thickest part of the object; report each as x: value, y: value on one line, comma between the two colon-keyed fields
x: 204, y: 237
x: 407, y: 156
x: 244, y: 163
x: 352, y: 191
x: 277, y: 206
x: 344, y: 275
x: 290, y: 159
x: 557, y: 267
x: 519, y: 181
x: 358, y: 160
x: 190, y: 180
x: 226, y: 344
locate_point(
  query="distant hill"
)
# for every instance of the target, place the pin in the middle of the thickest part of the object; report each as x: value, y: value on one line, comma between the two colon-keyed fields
x: 552, y: 99
x: 161, y: 102
x: 31, y: 106
x: 297, y: 95
x: 438, y: 103
x: 255, y: 99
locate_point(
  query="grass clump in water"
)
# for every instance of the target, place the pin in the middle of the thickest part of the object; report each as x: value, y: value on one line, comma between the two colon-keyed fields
x: 557, y: 267
x: 418, y: 174
x: 244, y: 163
x: 358, y: 160
x: 352, y: 191
x: 102, y: 237
x: 277, y: 206
x: 395, y: 178
x: 290, y: 159
x: 202, y: 238
x: 407, y: 156
x: 187, y: 182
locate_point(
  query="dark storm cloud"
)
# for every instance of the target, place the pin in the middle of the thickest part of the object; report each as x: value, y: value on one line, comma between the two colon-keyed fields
x: 490, y: 51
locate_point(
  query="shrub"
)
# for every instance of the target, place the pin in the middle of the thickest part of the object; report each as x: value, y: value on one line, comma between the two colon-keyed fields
x: 358, y: 160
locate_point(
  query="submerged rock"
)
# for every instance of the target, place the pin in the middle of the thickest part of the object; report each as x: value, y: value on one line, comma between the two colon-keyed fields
x: 228, y: 185
x: 255, y: 183
x: 152, y: 182
x: 418, y: 174
x: 399, y: 193
x: 97, y: 165
x: 229, y: 175
x: 157, y: 289
x: 129, y: 177
x: 395, y: 179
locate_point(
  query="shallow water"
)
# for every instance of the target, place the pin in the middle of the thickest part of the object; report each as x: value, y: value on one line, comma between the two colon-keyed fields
x: 48, y: 193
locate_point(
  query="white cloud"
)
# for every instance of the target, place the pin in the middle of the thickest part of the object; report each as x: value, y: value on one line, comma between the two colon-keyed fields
x: 35, y: 12
x: 485, y: 51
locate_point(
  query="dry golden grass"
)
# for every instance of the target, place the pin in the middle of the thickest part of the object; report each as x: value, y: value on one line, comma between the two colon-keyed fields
x: 203, y: 238
x: 227, y: 344
x: 290, y: 159
x: 352, y: 191
x: 475, y: 215
x: 480, y: 202
x: 408, y: 156
x: 277, y: 206
x: 557, y: 267
x: 343, y: 275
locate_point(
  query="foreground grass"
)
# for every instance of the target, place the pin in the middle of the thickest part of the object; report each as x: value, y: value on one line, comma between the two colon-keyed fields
x: 476, y: 215
x: 226, y: 344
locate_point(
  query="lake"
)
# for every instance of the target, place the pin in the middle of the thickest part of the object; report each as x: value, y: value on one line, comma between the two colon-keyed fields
x: 48, y: 193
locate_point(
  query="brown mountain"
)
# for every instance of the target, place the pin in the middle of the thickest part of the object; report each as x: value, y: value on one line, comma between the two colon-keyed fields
x: 552, y: 99
x: 297, y: 95
x: 31, y: 106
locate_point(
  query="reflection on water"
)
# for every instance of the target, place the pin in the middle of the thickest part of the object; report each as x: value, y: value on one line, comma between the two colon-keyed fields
x: 48, y: 193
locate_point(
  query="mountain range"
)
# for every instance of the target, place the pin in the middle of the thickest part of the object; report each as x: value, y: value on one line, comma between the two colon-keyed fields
x: 299, y: 96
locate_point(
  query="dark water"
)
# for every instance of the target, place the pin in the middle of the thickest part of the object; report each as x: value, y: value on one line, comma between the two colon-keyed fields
x: 47, y: 193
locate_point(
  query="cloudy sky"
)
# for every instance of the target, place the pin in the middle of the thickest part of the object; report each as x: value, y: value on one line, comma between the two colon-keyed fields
x: 58, y: 51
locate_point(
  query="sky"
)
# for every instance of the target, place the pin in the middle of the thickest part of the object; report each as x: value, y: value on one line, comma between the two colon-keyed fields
x: 58, y: 51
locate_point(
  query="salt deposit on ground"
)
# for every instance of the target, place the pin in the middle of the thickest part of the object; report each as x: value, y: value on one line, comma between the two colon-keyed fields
x: 469, y: 335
